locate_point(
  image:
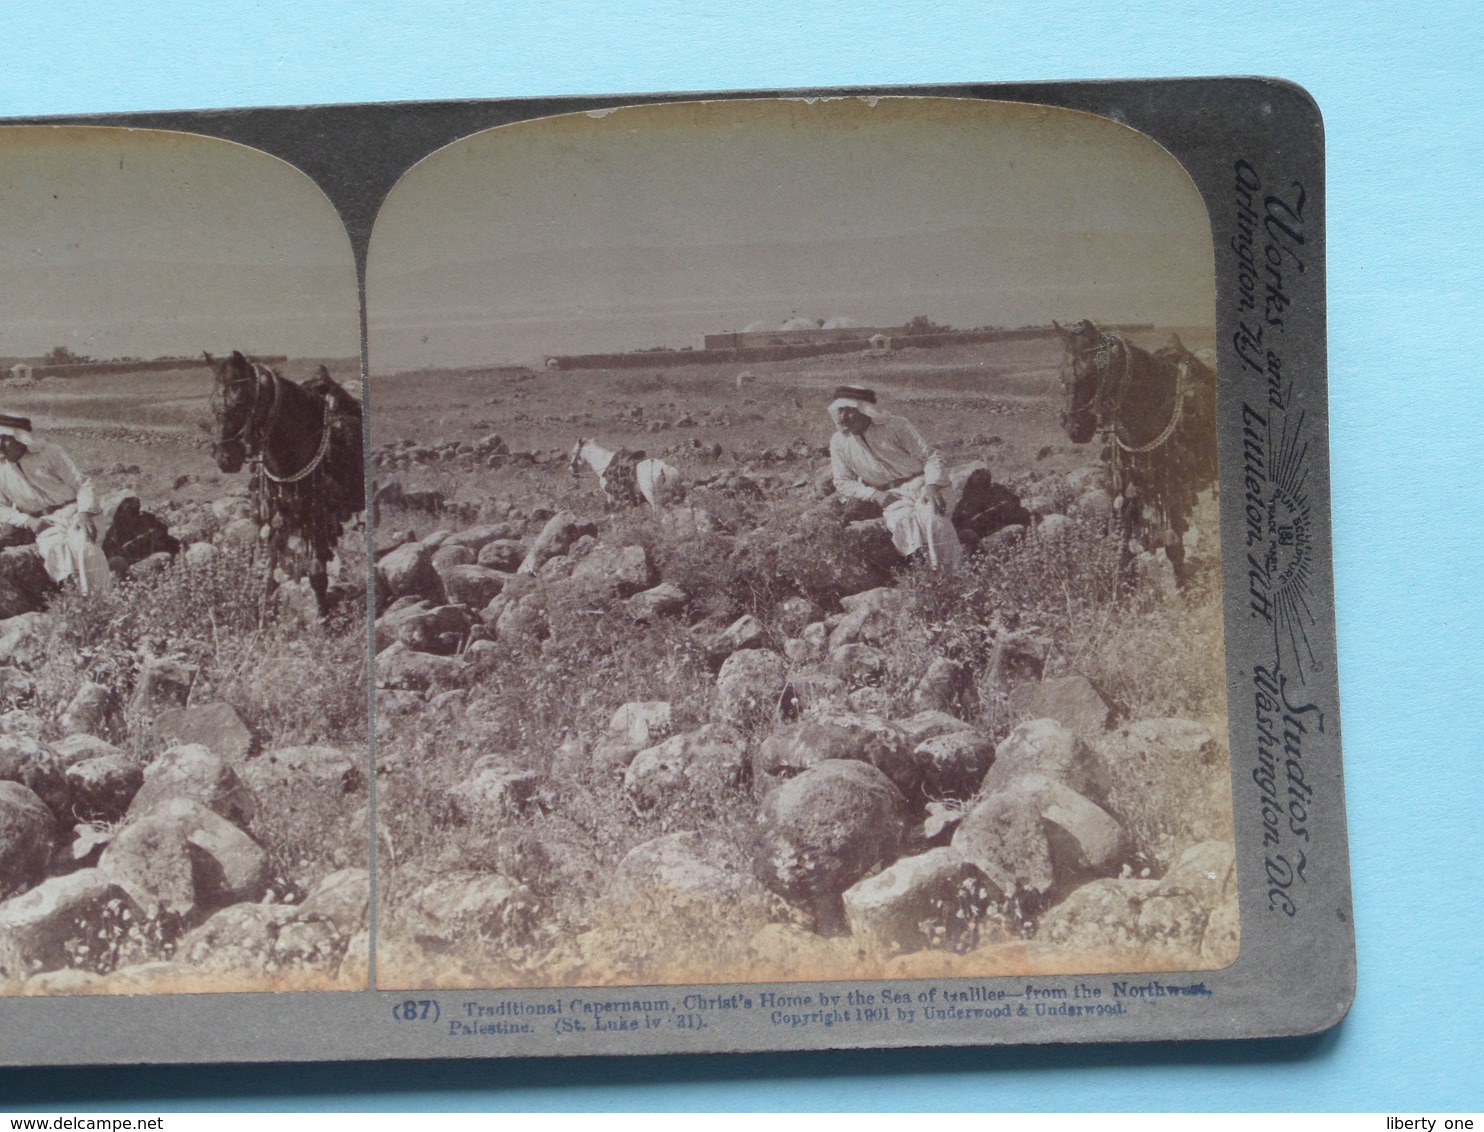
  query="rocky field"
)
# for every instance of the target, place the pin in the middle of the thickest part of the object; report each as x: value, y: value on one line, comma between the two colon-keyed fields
x: 182, y: 766
x: 739, y: 740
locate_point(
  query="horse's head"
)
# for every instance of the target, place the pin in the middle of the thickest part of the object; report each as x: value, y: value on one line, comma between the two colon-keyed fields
x: 1082, y: 376
x: 234, y: 397
x: 574, y: 458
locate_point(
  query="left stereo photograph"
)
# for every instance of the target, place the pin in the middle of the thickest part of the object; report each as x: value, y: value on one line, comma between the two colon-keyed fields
x: 183, y: 696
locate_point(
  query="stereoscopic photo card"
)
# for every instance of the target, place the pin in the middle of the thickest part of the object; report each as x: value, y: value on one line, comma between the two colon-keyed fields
x: 669, y: 573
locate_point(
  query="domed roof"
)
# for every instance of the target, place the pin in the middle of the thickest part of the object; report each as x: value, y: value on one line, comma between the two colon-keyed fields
x: 756, y: 327
x: 840, y: 322
x: 800, y: 324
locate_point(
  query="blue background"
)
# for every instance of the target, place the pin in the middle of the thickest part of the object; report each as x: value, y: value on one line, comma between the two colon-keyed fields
x: 1401, y: 91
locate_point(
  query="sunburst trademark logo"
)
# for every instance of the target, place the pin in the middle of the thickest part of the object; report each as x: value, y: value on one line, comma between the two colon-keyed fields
x: 1280, y: 537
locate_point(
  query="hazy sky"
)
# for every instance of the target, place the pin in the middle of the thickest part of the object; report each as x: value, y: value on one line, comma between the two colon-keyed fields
x: 121, y: 242
x: 650, y: 225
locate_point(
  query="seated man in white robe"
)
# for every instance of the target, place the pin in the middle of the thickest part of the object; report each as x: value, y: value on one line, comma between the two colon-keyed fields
x: 42, y: 490
x: 882, y: 459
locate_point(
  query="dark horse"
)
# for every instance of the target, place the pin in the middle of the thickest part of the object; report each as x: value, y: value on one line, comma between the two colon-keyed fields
x: 1157, y: 413
x: 304, y: 445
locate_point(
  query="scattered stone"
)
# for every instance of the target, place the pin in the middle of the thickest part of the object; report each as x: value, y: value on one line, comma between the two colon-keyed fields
x: 929, y: 724
x: 857, y: 664
x: 1044, y: 746
x: 1019, y: 658
x: 102, y: 787
x: 398, y: 667
x: 821, y: 832
x: 870, y: 617
x: 747, y: 632
x: 663, y: 600
x: 713, y: 757
x: 491, y: 795
x: 23, y: 637
x: 642, y: 722
x: 623, y: 571
x: 1054, y: 527
x: 936, y: 899
x: 1074, y: 702
x: 836, y: 736
x: 344, y: 771
x: 94, y: 710
x: 467, y: 909
x: 953, y: 764
x: 27, y: 829
x: 193, y: 772
x: 797, y: 612
x: 164, y: 682
x: 751, y: 687
x: 559, y: 533
x: 75, y: 748
x: 452, y: 554
x: 502, y: 554
x: 216, y: 726
x: 948, y: 687
x: 187, y: 859
x: 44, y: 929
x: 343, y: 899
x: 470, y: 585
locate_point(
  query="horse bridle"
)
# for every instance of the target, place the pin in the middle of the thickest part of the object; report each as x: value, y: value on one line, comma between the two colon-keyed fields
x: 1108, y: 342
x: 242, y: 435
x: 253, y: 446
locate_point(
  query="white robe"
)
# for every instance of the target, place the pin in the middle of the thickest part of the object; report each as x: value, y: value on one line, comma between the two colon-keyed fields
x: 45, y: 484
x: 891, y: 456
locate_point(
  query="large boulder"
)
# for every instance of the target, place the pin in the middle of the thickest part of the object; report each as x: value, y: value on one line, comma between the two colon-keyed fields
x: 751, y: 687
x: 94, y: 710
x: 870, y: 618
x: 1099, y: 918
x: 946, y: 686
x: 317, y: 765
x: 187, y: 859
x: 1169, y: 784
x: 836, y: 735
x: 679, y: 866
x: 821, y: 832
x: 466, y: 910
x: 1074, y: 702
x: 408, y: 571
x: 471, y: 585
x: 1188, y: 895
x: 451, y: 554
x: 25, y: 760
x: 556, y: 538
x: 663, y: 600
x: 747, y: 632
x: 27, y: 830
x: 239, y: 939
x: 1040, y: 838
x: 935, y: 899
x: 194, y: 772
x: 399, y: 668
x: 954, y: 763
x: 343, y: 899
x: 422, y: 626
x: 102, y: 788
x: 857, y: 664
x: 1044, y: 746
x: 619, y: 570
x: 216, y: 727
x: 62, y: 919
x: 711, y: 758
